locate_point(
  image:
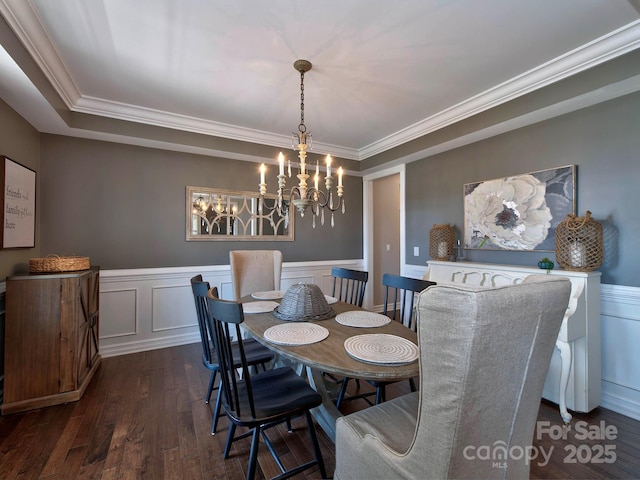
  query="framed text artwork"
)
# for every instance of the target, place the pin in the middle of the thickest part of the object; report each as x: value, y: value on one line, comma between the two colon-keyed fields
x: 18, y: 205
x: 519, y: 212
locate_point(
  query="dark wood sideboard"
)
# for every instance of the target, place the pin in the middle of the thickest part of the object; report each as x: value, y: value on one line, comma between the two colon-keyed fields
x: 51, y: 338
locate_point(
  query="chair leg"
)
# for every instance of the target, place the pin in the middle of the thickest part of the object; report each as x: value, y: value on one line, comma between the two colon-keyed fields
x: 380, y: 394
x: 289, y: 427
x: 212, y: 380
x: 316, y: 445
x: 216, y: 412
x: 253, y: 454
x: 412, y: 385
x: 227, y: 447
x: 343, y: 390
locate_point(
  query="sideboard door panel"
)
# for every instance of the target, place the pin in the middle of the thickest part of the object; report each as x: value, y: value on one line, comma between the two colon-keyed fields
x: 31, y: 321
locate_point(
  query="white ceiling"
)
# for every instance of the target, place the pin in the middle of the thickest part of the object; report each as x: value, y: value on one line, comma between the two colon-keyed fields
x: 384, y: 72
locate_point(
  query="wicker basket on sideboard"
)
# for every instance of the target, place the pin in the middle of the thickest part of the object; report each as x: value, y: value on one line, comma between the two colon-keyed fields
x: 56, y: 263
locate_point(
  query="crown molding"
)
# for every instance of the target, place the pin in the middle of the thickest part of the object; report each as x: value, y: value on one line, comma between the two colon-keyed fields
x: 611, y: 91
x: 33, y: 36
x: 605, y: 48
x: 148, y: 116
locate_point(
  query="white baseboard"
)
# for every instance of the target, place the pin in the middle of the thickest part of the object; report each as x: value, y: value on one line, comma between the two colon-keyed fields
x: 128, y: 347
x: 623, y: 400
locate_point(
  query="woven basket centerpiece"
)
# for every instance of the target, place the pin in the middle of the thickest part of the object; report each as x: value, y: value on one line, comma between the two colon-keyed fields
x: 303, y: 302
x: 55, y: 263
x: 579, y: 243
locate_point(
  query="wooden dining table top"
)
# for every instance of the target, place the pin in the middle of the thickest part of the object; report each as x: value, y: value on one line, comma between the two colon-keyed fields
x: 329, y: 355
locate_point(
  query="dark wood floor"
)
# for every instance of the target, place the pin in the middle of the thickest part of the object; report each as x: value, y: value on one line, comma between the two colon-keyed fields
x: 144, y: 417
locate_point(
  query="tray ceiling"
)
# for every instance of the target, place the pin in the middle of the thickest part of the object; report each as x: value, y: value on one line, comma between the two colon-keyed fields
x: 383, y: 72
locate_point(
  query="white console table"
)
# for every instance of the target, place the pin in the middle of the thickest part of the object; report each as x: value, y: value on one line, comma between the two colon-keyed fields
x: 574, y: 377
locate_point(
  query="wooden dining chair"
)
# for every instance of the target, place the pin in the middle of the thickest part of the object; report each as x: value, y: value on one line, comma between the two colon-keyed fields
x: 399, y: 305
x: 399, y: 300
x: 257, y: 354
x: 258, y: 401
x: 349, y: 285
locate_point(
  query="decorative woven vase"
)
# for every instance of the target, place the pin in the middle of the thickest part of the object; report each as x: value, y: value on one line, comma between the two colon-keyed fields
x: 441, y: 242
x: 579, y: 243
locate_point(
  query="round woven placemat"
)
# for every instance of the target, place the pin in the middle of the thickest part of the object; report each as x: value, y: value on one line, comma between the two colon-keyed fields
x: 381, y: 349
x: 270, y: 295
x: 362, y: 319
x: 292, y: 334
x: 259, y: 307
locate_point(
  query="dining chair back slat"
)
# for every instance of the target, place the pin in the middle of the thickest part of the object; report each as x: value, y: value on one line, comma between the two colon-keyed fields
x: 349, y: 285
x: 200, y: 290
x: 403, y: 290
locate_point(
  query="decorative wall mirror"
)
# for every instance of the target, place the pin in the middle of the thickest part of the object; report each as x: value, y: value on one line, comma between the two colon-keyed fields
x: 214, y: 214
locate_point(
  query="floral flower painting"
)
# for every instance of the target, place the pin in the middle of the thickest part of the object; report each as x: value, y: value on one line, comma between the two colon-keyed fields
x: 519, y: 212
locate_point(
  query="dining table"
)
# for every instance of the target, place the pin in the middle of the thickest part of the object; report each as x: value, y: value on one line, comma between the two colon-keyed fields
x: 329, y: 355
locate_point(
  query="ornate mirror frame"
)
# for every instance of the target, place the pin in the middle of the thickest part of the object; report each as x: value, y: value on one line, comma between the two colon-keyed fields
x: 213, y: 214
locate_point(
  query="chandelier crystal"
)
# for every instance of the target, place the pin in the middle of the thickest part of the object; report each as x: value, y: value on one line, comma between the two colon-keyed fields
x: 301, y: 196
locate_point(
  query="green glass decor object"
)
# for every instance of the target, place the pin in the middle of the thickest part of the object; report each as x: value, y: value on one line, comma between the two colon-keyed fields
x: 545, y: 264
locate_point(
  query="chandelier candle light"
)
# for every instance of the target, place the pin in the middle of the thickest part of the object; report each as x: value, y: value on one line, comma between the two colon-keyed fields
x: 303, y: 196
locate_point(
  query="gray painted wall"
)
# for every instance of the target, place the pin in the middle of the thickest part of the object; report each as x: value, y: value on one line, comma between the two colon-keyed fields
x: 124, y: 207
x: 20, y: 142
x: 603, y: 141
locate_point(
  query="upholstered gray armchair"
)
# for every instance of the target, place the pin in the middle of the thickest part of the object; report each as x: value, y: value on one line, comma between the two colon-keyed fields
x: 484, y: 356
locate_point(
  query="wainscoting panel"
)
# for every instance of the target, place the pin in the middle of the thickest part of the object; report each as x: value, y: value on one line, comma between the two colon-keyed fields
x: 172, y: 308
x: 620, y: 312
x: 146, y: 309
x: 120, y: 306
x: 620, y: 331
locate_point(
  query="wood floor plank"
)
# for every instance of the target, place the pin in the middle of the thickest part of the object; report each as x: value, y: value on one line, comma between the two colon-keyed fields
x: 186, y: 435
x: 16, y: 457
x: 132, y: 456
x: 98, y: 446
x: 191, y: 468
x: 62, y: 447
x: 73, y: 462
x: 172, y: 464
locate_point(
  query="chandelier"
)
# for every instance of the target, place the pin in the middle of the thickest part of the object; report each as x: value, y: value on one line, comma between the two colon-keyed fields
x: 301, y: 196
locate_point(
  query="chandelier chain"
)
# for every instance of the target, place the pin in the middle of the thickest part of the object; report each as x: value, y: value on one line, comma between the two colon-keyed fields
x: 302, y: 128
